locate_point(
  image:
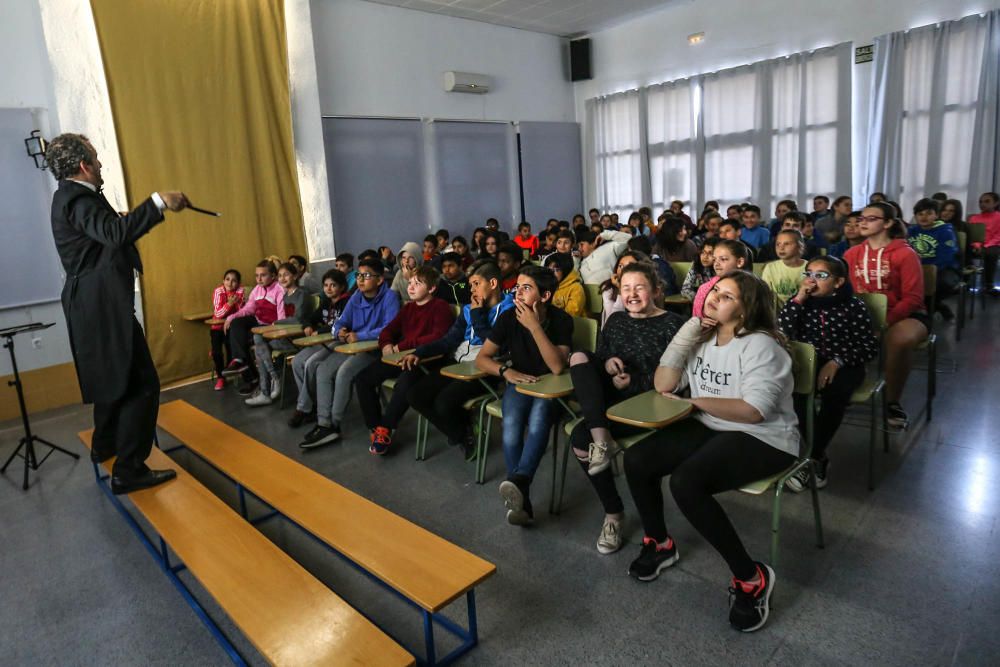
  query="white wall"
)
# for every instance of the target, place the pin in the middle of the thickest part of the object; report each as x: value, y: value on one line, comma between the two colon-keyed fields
x: 738, y: 32
x: 377, y: 60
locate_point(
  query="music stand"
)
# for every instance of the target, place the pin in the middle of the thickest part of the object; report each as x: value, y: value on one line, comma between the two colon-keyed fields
x: 31, y: 462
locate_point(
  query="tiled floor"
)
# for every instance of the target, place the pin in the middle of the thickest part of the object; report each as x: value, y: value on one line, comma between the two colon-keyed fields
x: 909, y: 575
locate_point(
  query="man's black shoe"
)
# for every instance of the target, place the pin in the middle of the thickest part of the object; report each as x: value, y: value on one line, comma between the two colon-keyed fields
x: 120, y: 485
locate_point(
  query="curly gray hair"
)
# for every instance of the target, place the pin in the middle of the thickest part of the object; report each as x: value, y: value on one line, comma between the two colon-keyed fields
x: 65, y: 153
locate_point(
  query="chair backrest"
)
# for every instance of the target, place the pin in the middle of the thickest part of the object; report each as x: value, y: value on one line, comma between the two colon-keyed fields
x: 930, y: 280
x: 457, y: 310
x: 878, y: 308
x: 962, y: 241
x: 977, y: 232
x: 526, y: 253
x: 314, y: 302
x: 595, y: 304
x: 584, y: 334
x: 681, y: 270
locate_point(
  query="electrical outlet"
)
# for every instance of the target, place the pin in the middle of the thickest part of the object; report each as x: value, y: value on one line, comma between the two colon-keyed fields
x: 36, y: 343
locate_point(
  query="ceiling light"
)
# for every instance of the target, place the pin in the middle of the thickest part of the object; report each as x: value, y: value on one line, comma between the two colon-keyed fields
x: 696, y: 38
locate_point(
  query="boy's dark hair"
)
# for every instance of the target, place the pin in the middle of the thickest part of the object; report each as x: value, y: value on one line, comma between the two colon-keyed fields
x: 427, y: 275
x: 821, y: 197
x: 940, y: 196
x: 732, y: 206
x: 300, y: 259
x: 487, y: 269
x: 711, y: 215
x: 269, y: 265
x: 524, y: 224
x: 562, y: 261
x: 640, y: 243
x: 789, y: 204
x: 551, y: 232
x: 927, y: 205
x: 239, y: 278
x: 646, y: 212
x: 564, y: 224
x: 346, y: 258
x: 566, y: 234
x: 431, y: 238
x: 512, y: 249
x: 442, y: 234
x: 373, y: 264
x: 841, y: 198
x: 593, y: 210
x: 367, y: 253
x: 544, y: 279
x: 492, y: 220
x: 995, y: 196
x: 729, y: 222
x: 337, y: 276
x: 585, y: 236
x: 578, y: 216
x: 798, y: 216
x: 452, y: 257
x: 751, y: 208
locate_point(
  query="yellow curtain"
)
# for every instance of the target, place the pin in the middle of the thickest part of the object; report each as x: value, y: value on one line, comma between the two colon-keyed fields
x: 199, y: 92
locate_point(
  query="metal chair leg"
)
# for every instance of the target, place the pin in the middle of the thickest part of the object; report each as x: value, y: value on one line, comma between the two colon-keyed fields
x: 820, y: 543
x: 775, y: 524
x: 483, y: 449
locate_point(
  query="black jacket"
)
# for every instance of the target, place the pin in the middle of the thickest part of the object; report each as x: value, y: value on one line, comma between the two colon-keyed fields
x: 98, y: 253
x: 838, y: 326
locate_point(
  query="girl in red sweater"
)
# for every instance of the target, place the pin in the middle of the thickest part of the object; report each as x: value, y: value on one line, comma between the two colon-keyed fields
x: 886, y: 264
x: 422, y: 320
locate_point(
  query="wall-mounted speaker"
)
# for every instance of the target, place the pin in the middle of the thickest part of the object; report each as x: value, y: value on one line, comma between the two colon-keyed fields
x: 579, y: 60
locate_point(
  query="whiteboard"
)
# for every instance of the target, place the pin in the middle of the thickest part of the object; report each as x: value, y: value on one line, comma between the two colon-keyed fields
x: 32, y: 272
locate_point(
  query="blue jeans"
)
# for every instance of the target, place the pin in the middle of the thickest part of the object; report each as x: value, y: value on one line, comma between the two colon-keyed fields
x: 523, y: 451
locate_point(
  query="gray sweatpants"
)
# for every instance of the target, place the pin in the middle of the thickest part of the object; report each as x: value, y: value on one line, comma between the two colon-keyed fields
x: 304, y: 366
x: 334, y: 381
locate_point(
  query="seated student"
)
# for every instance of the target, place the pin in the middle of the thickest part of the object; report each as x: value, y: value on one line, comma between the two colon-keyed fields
x: 388, y: 260
x: 886, y: 264
x: 642, y: 244
x: 570, y: 295
x: 564, y: 244
x: 509, y: 259
x: 308, y: 359
x: 732, y: 230
x: 298, y: 310
x: 672, y: 241
x: 461, y: 247
x: 439, y: 398
x: 493, y: 225
x: 598, y: 229
x: 826, y: 314
x: 488, y: 246
x: 526, y: 240
x: 344, y: 262
x: 753, y: 234
x: 552, y: 225
x: 728, y: 256
x: 264, y: 306
x: 776, y: 224
x: 877, y: 197
x: 537, y: 338
x: 628, y: 351
x: 453, y: 287
x: 951, y: 212
x: 548, y: 245
x: 478, y: 234
x: 784, y: 275
x: 370, y: 308
x: 677, y: 209
x: 989, y: 202
x: 701, y: 271
x: 422, y: 320
x: 935, y: 243
x: 815, y: 243
x: 430, y: 253
x: 227, y: 298
x: 610, y: 288
x: 743, y: 430
x: 606, y: 223
x: 852, y: 237
x: 598, y: 254
x: 821, y: 208
x: 443, y: 240
x: 830, y: 227
x: 306, y: 279
x: 710, y: 228
x: 408, y: 258
x: 634, y: 225
x: 734, y: 212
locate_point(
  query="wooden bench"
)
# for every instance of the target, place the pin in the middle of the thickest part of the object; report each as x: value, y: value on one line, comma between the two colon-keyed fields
x: 423, y: 569
x: 289, y: 616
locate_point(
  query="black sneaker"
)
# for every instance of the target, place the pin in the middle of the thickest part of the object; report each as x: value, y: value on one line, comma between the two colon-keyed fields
x: 946, y: 312
x: 896, y: 417
x: 653, y: 559
x: 297, y: 419
x: 320, y: 435
x: 518, y: 506
x: 247, y: 388
x: 749, y: 611
x: 821, y: 467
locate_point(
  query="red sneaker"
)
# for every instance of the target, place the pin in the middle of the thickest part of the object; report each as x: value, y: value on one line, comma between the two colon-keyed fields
x: 220, y: 384
x: 381, y: 439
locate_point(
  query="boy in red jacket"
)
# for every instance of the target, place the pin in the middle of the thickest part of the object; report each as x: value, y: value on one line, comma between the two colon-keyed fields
x: 526, y: 240
x: 422, y: 320
x: 885, y: 263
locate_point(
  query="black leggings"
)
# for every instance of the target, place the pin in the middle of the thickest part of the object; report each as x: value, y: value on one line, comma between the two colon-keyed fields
x: 368, y: 383
x: 833, y: 401
x: 440, y: 400
x: 221, y: 353
x: 990, y: 256
x: 701, y: 462
x: 595, y: 392
x: 241, y: 343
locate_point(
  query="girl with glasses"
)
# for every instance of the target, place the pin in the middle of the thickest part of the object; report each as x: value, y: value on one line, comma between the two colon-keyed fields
x: 826, y: 314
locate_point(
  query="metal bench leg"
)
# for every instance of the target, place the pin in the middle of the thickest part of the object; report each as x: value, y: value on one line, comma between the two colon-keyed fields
x: 429, y: 637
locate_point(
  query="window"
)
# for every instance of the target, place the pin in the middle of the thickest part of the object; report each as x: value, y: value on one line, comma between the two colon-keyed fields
x: 616, y: 150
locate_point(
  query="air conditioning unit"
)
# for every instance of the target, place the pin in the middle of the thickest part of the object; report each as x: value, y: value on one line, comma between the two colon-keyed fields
x: 465, y: 82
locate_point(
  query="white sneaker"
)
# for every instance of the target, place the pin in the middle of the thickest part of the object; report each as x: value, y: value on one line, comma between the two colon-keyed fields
x: 610, y: 539
x: 601, y: 454
x: 258, y: 399
x: 275, y: 387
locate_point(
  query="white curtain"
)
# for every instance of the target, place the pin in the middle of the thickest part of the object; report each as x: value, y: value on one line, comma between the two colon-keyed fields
x: 773, y: 130
x: 614, y: 151
x: 934, y: 99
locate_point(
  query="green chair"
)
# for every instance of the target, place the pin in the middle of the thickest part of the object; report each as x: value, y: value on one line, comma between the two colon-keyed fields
x: 595, y: 304
x: 977, y: 234
x: 680, y: 269
x: 758, y: 268
x: 804, y: 370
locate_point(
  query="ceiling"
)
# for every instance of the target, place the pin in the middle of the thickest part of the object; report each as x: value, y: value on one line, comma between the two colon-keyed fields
x: 566, y: 18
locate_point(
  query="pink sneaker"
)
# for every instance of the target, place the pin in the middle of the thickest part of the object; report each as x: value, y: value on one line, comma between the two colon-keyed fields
x: 220, y: 384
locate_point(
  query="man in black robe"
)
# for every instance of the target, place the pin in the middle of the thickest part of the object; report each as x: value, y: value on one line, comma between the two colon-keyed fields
x: 98, y: 253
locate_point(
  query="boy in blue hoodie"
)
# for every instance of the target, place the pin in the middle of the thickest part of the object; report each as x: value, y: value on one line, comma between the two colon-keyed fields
x: 439, y: 398
x: 935, y: 243
x: 370, y: 308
